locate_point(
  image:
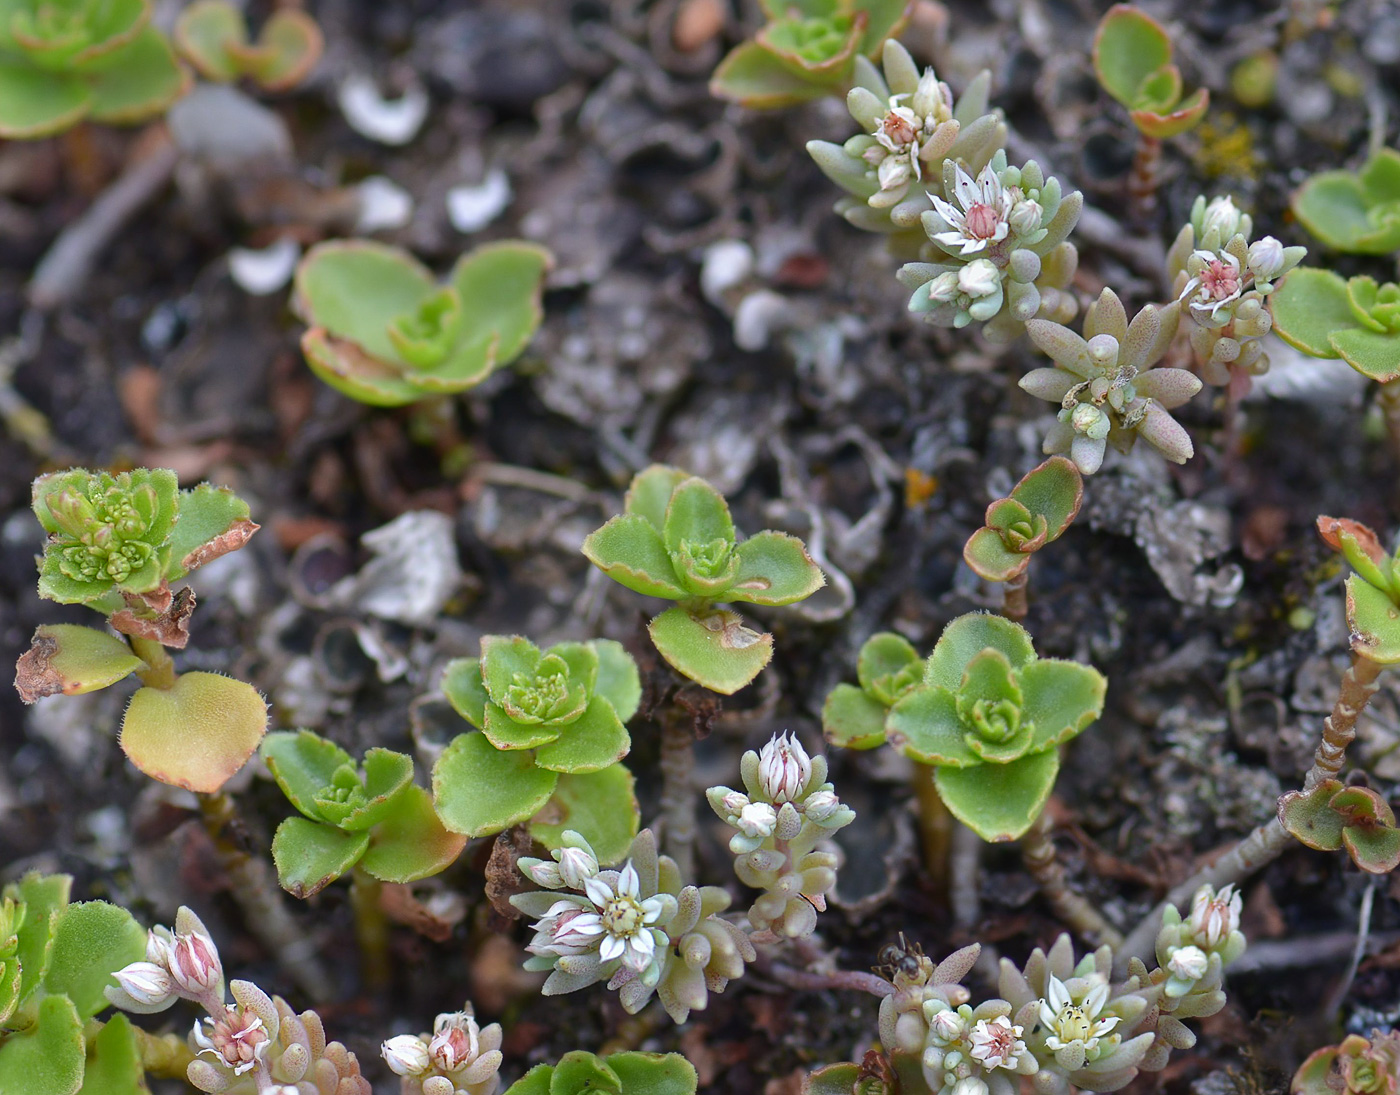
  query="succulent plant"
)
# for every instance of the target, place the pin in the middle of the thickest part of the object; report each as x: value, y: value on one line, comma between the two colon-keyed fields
x: 789, y: 812
x: 1223, y: 280
x: 910, y: 125
x: 372, y: 816
x: 1373, y: 589
x: 639, y: 928
x: 212, y: 35
x: 98, y: 59
x: 385, y: 332
x: 1039, y: 509
x: 1355, y: 211
x: 1357, y: 320
x: 999, y: 250
x: 675, y: 539
x: 549, y: 726
x: 115, y: 544
x: 1358, y: 1066
x: 1106, y: 386
x: 627, y: 1073
x: 887, y: 667
x: 990, y: 716
x: 1133, y: 61
x: 1330, y: 816
x: 457, y: 1058
x: 806, y: 50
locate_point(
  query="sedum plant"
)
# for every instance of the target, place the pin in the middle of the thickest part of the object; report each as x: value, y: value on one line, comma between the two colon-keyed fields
x: 640, y: 928
x: 626, y: 1073
x: 1330, y: 816
x: 999, y: 250
x: 888, y: 668
x: 116, y: 542
x: 1373, y: 589
x: 253, y: 1046
x: 371, y: 817
x: 457, y: 1058
x: 1355, y: 211
x: 675, y: 539
x: 56, y: 959
x: 385, y: 332
x: 1223, y: 281
x: 910, y: 126
x: 62, y: 62
x: 806, y: 50
x: 1356, y: 319
x: 1133, y: 61
x: 549, y: 729
x: 782, y: 839
x: 990, y: 715
x: 212, y: 35
x: 1106, y: 386
x: 1358, y: 1066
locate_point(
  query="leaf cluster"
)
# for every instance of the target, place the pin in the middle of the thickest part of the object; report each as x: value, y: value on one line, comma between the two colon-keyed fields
x: 1373, y: 589
x: 384, y: 331
x: 1355, y: 211
x: 627, y: 1073
x: 549, y: 727
x: 1332, y: 816
x: 1355, y: 319
x: 806, y: 50
x: 98, y: 59
x: 1133, y: 61
x: 212, y: 35
x: 675, y: 539
x: 372, y: 816
x: 1039, y: 509
x: 1357, y: 1066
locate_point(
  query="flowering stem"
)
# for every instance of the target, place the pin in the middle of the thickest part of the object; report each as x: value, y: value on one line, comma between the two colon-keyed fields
x: 253, y: 887
x: 935, y: 826
x: 159, y: 671
x: 1014, y: 604
x: 1038, y: 854
x: 677, y: 788
x: 855, y: 980
x: 1144, y: 177
x: 371, y: 930
x: 1269, y: 840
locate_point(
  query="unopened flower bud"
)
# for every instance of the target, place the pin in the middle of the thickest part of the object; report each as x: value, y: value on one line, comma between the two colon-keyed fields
x: 970, y: 1085
x: 456, y: 1040
x: 947, y: 1026
x: 944, y: 287
x: 194, y: 962
x: 979, y: 278
x: 576, y: 865
x: 735, y: 801
x: 783, y: 768
x: 406, y: 1055
x: 1222, y: 215
x: 149, y: 984
x: 1265, y: 258
x: 931, y: 98
x: 545, y: 874
x: 1025, y: 217
x: 756, y: 819
x: 1188, y: 963
x: 1214, y: 916
x: 1103, y: 351
x: 1090, y: 421
x: 820, y: 805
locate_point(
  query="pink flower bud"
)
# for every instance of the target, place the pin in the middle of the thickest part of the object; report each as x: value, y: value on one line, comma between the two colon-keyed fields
x: 149, y: 984
x: 406, y: 1055
x: 784, y: 768
x: 456, y: 1041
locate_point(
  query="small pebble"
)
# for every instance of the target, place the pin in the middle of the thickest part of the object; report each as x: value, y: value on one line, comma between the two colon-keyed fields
x: 267, y: 270
x: 697, y: 22
x: 472, y: 208
x: 388, y: 121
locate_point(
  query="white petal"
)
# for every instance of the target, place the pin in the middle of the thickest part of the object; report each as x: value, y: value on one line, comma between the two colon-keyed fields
x: 1057, y: 994
x: 612, y: 946
x: 599, y: 892
x: 965, y: 189
x: 628, y: 884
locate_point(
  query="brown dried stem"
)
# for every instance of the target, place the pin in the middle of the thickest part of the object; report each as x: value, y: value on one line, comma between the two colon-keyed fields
x: 935, y: 827
x: 677, y: 788
x: 1014, y: 604
x: 1144, y: 178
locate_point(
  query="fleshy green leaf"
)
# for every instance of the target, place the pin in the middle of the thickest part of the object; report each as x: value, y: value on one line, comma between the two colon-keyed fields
x: 1164, y: 125
x: 925, y: 725
x: 1339, y: 207
x: 465, y: 690
x: 355, y: 289
x: 288, y: 48
x: 387, y: 775
x: 500, y: 286
x: 534, y: 1082
x: 411, y: 842
x: 696, y: 513
x: 968, y: 636
x: 136, y: 81
x: 774, y: 569
x: 35, y: 103
x: 852, y: 719
x: 202, y: 34
x: 1054, y: 490
x: 602, y: 806
x: 716, y: 650
x: 999, y: 801
x: 310, y: 856
x: 505, y: 732
x: 1372, y: 355
x: 504, y: 656
x: 755, y: 78
x: 1374, y: 620
x: 1128, y: 47
x: 196, y: 734
x: 582, y: 660
x: 618, y: 679
x: 70, y: 659
x: 650, y: 492
x: 49, y: 1058
x: 653, y: 1073
x: 44, y: 898
x: 839, y: 1079
x: 90, y: 940
x: 629, y: 550
x: 1308, y: 307
x: 579, y: 1073
x: 1376, y: 850
x: 212, y: 522
x: 114, y: 1064
x: 884, y: 19
x: 590, y: 743
x: 1062, y: 699
x: 989, y: 558
x: 479, y: 789
x: 303, y: 764
x: 346, y: 367
x: 884, y: 654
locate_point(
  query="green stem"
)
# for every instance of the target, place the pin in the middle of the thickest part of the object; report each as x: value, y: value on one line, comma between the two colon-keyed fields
x: 1043, y: 864
x: 160, y: 666
x: 935, y: 826
x: 371, y: 930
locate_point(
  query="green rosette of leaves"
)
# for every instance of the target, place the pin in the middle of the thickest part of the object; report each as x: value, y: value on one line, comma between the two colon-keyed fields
x: 549, y: 735
x: 1332, y: 816
x: 888, y: 668
x: 115, y: 544
x: 1357, y: 1066
x: 628, y: 1073
x: 1356, y: 319
x: 675, y: 539
x: 1355, y: 211
x: 212, y: 35
x: 1039, y: 509
x: 807, y: 49
x: 990, y: 716
x: 371, y: 816
x: 1133, y: 61
x: 1373, y: 589
x: 55, y: 960
x: 62, y: 61
x: 384, y: 331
